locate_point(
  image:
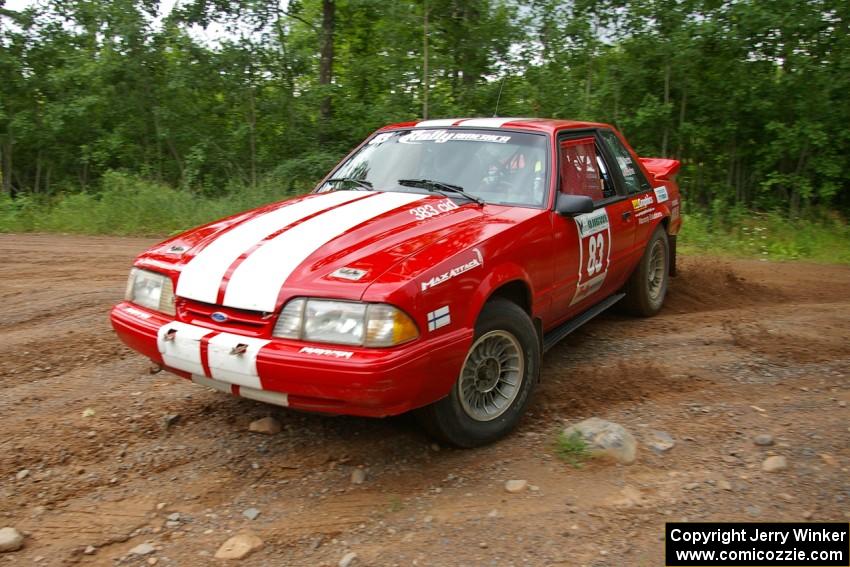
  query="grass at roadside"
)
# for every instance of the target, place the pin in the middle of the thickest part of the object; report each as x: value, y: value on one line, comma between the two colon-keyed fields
x: 130, y: 205
x: 768, y: 236
x: 572, y: 448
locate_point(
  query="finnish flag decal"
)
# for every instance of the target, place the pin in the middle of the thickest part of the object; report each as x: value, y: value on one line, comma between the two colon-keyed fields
x: 439, y: 318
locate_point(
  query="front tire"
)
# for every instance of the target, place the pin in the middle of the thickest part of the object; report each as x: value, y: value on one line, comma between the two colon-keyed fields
x: 647, y: 286
x: 495, y: 382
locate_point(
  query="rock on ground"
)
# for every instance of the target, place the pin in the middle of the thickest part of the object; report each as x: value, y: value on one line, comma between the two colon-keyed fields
x: 763, y: 439
x: 606, y: 439
x: 10, y: 540
x: 142, y: 549
x: 251, y: 513
x: 660, y: 441
x: 239, y: 546
x: 267, y: 425
x: 358, y: 476
x: 514, y: 486
x: 347, y: 559
x: 775, y: 463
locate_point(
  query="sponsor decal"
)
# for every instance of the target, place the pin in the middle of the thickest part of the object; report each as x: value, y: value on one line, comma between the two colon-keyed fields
x: 137, y: 312
x: 177, y: 249
x: 660, y: 194
x: 591, y: 223
x: 428, y: 211
x: 442, y: 136
x: 594, y: 233
x: 380, y: 139
x: 326, y: 352
x: 346, y: 273
x: 439, y: 318
x: 654, y: 216
x: 475, y: 262
x: 642, y: 203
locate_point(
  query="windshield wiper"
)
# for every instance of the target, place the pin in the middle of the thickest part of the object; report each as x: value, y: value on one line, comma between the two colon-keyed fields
x: 361, y: 184
x: 440, y: 187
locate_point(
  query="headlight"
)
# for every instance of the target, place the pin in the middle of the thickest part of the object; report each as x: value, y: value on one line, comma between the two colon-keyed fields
x: 151, y: 290
x: 345, y: 323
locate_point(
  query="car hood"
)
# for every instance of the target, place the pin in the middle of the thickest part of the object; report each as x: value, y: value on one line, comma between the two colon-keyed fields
x: 327, y: 244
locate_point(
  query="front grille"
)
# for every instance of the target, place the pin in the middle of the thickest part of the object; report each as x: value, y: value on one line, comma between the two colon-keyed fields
x: 241, y: 321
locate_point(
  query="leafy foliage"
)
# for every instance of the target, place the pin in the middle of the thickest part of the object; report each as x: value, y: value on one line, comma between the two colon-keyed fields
x: 753, y: 97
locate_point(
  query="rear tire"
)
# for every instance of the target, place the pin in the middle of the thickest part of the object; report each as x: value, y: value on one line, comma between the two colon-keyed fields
x: 647, y: 286
x: 495, y: 383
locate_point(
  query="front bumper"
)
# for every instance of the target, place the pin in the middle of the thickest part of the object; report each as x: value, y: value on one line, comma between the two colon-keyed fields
x: 308, y: 376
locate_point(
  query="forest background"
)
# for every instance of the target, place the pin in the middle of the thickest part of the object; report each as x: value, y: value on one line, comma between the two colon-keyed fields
x: 147, y: 117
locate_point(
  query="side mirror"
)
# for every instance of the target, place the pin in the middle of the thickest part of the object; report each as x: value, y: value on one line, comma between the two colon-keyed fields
x: 572, y: 205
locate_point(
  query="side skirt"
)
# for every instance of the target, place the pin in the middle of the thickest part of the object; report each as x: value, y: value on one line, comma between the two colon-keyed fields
x: 554, y: 336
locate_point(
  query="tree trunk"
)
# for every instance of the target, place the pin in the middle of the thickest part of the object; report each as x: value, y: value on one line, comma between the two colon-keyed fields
x: 326, y: 58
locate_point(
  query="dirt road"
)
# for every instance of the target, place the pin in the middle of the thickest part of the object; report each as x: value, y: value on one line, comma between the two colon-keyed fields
x: 742, y: 348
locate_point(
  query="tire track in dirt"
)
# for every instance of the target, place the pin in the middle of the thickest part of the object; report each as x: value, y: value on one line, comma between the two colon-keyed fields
x: 720, y: 347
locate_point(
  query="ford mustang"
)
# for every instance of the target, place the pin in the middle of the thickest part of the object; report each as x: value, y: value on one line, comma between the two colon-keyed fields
x: 429, y: 271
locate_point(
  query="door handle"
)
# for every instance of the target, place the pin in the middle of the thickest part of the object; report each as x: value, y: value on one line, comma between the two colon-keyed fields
x: 626, y: 215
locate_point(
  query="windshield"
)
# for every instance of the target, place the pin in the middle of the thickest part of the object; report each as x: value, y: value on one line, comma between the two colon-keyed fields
x: 499, y: 167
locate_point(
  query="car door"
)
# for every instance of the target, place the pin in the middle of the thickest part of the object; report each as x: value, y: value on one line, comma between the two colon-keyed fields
x: 589, y: 249
x: 642, y: 199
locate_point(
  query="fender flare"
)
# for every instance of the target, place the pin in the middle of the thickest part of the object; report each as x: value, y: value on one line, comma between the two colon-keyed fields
x: 502, y: 274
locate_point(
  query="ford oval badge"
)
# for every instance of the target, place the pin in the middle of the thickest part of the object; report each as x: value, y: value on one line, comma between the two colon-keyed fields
x: 218, y: 317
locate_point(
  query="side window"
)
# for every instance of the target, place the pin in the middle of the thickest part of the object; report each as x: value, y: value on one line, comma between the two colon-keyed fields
x: 583, y: 171
x: 633, y: 178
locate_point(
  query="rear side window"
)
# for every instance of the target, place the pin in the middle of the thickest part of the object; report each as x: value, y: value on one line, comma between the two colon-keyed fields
x: 633, y: 178
x: 583, y: 170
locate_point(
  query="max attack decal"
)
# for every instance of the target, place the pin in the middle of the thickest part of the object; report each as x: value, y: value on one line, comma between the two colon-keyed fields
x: 638, y: 204
x: 439, y: 318
x: 327, y: 352
x: 660, y: 194
x: 475, y: 262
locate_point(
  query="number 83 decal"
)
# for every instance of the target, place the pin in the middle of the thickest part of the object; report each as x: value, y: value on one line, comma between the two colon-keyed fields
x: 596, y: 249
x: 594, y: 234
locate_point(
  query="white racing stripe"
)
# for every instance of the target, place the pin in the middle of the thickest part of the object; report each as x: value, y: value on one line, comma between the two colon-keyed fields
x: 488, y: 122
x: 231, y: 368
x: 183, y: 351
x: 201, y: 277
x: 257, y: 281
x: 440, y: 123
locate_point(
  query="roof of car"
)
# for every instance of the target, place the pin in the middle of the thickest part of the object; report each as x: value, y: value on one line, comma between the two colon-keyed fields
x: 538, y: 124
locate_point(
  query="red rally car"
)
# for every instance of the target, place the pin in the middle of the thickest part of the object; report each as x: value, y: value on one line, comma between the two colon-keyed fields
x: 428, y: 271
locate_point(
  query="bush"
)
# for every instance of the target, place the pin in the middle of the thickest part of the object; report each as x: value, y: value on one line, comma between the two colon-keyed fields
x: 130, y: 205
x: 767, y: 235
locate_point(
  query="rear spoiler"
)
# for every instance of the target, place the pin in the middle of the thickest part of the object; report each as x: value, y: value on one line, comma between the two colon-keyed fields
x: 663, y: 169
